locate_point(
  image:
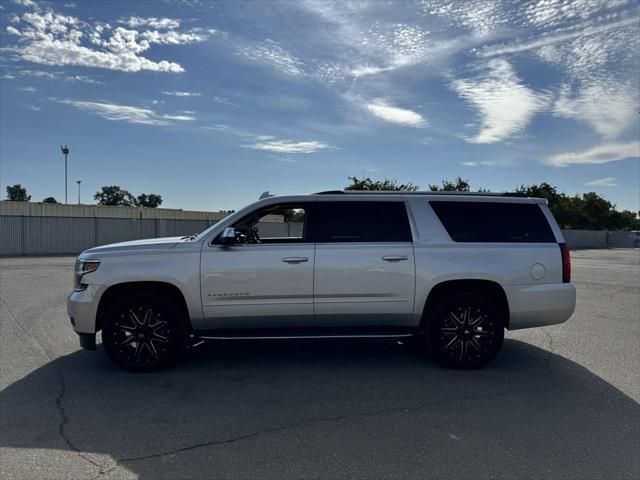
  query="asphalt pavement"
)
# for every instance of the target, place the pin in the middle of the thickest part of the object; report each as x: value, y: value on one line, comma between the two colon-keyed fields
x: 558, y: 402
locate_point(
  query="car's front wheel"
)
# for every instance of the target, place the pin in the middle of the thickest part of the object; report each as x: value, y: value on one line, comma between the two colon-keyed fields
x: 465, y: 330
x: 143, y: 332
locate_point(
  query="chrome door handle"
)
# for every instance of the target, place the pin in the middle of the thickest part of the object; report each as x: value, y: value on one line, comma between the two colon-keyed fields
x: 295, y: 259
x: 395, y: 258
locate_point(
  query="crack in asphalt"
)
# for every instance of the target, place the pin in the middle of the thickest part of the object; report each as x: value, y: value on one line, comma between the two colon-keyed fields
x: 63, y: 423
x: 309, y: 421
x: 103, y: 470
x: 64, y: 419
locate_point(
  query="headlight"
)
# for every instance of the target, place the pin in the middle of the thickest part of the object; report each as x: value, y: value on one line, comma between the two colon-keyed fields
x: 81, y: 269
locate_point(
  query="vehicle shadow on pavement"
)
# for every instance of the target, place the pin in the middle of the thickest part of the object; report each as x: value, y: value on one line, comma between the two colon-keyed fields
x: 326, y: 410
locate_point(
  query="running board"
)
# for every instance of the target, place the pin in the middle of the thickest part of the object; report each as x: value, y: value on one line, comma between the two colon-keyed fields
x: 302, y: 337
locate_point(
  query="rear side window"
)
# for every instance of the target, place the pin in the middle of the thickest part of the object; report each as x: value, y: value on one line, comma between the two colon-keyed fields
x: 360, y: 222
x: 494, y: 222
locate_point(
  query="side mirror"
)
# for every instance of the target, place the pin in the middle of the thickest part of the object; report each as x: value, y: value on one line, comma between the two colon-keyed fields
x: 228, y: 236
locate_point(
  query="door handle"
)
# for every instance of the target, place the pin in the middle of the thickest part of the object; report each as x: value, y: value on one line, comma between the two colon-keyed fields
x: 394, y: 258
x: 295, y: 259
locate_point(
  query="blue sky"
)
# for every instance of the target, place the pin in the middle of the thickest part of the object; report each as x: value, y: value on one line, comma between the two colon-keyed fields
x: 211, y: 103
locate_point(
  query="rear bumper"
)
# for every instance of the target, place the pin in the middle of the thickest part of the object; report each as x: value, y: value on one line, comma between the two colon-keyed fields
x: 540, y: 305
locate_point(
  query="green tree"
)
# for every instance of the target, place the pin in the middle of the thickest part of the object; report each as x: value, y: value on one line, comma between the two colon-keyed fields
x: 114, y: 195
x: 17, y: 193
x: 386, y: 184
x: 588, y: 211
x: 458, y: 185
x: 150, y: 200
x: 49, y: 200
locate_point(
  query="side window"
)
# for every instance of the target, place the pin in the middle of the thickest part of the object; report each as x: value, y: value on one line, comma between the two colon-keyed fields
x: 494, y: 222
x: 274, y: 224
x: 361, y: 222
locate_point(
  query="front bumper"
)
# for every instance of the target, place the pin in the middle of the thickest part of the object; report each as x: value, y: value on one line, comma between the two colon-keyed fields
x: 82, y: 308
x: 540, y: 305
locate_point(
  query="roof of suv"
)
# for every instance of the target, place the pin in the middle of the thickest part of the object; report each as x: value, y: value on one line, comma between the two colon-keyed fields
x: 422, y: 192
x: 495, y: 195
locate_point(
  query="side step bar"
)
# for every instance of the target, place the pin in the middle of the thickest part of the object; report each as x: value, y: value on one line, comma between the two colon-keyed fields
x: 300, y: 337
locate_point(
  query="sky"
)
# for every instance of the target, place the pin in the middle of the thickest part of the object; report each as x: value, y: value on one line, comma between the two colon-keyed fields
x: 209, y: 104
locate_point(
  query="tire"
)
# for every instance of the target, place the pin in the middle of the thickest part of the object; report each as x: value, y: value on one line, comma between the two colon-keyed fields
x: 144, y: 332
x: 465, y: 330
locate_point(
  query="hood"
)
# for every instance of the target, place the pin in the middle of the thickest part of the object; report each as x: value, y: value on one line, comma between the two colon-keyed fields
x: 146, y: 244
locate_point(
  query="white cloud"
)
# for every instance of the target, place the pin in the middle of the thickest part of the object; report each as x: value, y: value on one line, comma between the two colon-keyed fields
x: 54, y: 39
x: 126, y: 113
x: 506, y: 106
x: 479, y: 16
x: 182, y: 94
x: 41, y: 74
x: 553, y: 13
x: 362, y: 43
x: 286, y: 146
x: 608, y: 152
x: 401, y: 116
x: 608, y: 106
x: 272, y: 53
x: 501, y: 50
x: 603, y: 182
x: 28, y: 89
x: 153, y: 22
x: 82, y: 79
x: 484, y: 163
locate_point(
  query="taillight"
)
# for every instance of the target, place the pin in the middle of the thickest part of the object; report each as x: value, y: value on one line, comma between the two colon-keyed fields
x: 566, y: 263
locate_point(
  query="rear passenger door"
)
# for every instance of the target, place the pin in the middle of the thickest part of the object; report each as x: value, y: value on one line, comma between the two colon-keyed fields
x: 364, y: 269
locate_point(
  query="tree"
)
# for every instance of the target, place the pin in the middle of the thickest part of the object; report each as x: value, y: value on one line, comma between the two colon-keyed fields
x: 17, y: 193
x: 150, y: 201
x: 49, y: 200
x: 588, y: 211
x: 114, y: 195
x: 458, y: 185
x: 386, y: 184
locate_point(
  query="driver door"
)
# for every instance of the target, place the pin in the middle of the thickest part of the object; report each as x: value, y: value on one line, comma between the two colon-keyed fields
x: 266, y: 280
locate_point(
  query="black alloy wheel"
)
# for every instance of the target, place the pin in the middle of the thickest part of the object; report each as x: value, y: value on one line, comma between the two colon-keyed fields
x: 465, y: 331
x: 143, y: 332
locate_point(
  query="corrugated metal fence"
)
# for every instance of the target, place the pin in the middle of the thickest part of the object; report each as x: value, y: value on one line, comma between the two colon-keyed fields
x: 44, y: 229
x: 20, y: 235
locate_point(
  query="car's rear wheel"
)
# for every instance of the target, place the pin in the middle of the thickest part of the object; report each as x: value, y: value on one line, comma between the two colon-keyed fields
x: 143, y: 332
x: 465, y: 330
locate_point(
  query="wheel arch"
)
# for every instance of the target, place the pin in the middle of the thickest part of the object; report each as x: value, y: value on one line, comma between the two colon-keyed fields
x: 120, y: 290
x: 488, y: 288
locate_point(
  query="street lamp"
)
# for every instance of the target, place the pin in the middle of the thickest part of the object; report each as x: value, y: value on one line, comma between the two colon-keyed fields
x: 65, y: 152
x: 78, y: 182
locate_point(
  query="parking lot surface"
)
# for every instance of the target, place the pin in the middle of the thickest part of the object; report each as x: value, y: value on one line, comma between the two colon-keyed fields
x: 558, y: 402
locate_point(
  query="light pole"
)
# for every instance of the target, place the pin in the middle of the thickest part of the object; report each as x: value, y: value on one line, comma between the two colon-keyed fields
x: 78, y: 182
x: 65, y: 152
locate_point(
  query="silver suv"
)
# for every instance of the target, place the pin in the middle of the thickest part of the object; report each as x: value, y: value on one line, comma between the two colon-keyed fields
x: 450, y: 270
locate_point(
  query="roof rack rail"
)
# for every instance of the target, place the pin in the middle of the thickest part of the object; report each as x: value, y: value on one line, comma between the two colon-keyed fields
x: 407, y: 192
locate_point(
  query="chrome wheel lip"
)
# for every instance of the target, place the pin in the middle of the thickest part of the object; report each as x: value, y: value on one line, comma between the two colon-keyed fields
x: 467, y: 334
x: 141, y: 335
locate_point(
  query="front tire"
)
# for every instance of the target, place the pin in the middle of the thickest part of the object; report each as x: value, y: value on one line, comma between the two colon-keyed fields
x: 465, y: 330
x: 144, y: 332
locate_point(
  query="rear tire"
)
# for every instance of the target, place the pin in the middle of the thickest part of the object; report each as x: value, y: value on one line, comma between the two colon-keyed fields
x: 144, y: 332
x: 465, y: 330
